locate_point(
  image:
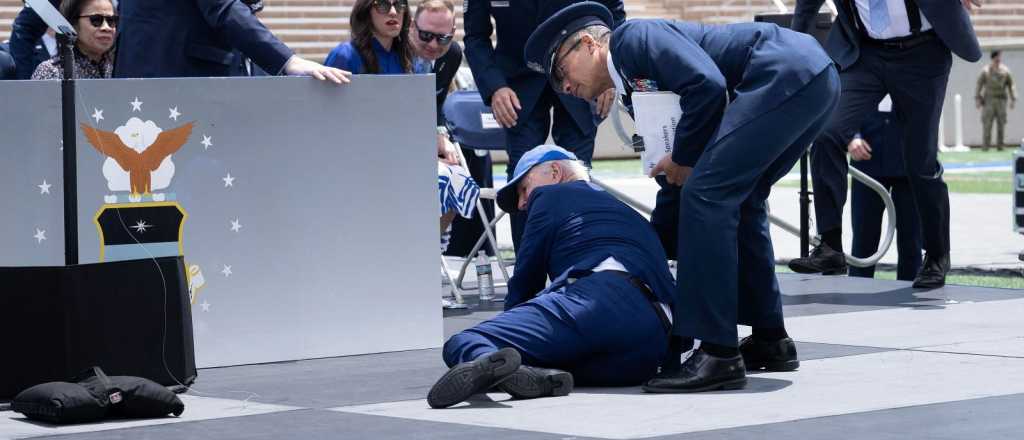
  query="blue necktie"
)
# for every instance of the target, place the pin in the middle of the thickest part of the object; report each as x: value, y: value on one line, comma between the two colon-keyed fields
x: 879, y: 15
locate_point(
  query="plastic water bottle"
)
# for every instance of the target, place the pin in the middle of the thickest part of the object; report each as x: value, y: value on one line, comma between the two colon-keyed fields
x: 484, y: 280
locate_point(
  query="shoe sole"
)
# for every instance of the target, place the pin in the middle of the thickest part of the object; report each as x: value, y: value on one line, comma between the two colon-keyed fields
x: 522, y: 385
x: 731, y: 384
x: 799, y: 268
x: 774, y: 366
x: 469, y: 378
x: 927, y: 285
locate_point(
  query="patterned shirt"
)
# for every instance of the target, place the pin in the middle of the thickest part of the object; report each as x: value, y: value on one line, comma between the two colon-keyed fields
x: 85, y: 68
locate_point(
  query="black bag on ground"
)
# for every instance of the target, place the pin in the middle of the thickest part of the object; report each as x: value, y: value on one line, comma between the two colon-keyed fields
x: 61, y: 403
x: 132, y: 397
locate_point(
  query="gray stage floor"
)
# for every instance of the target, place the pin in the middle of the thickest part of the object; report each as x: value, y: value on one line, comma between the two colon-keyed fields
x: 879, y: 360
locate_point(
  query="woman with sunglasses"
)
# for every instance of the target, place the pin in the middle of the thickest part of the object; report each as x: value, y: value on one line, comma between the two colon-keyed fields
x: 378, y: 44
x: 96, y: 25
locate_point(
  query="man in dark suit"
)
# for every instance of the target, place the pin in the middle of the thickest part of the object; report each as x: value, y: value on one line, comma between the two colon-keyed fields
x: 521, y: 99
x: 605, y: 317
x: 901, y: 48
x: 26, y: 45
x: 781, y: 88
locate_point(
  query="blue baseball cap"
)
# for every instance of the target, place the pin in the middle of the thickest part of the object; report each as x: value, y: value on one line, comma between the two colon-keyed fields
x: 542, y: 46
x: 508, y: 196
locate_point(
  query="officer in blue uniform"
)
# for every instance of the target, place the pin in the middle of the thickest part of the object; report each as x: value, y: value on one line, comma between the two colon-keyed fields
x: 604, y: 319
x: 781, y: 88
x: 877, y: 152
x: 520, y: 98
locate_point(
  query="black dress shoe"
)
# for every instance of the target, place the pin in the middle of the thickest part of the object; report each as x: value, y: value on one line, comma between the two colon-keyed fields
x: 532, y: 382
x: 468, y: 378
x: 933, y: 272
x: 701, y: 372
x: 823, y: 260
x: 777, y: 355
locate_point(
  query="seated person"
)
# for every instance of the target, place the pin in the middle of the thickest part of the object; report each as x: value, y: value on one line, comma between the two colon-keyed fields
x: 376, y: 45
x: 605, y: 317
x: 877, y: 153
x: 96, y: 24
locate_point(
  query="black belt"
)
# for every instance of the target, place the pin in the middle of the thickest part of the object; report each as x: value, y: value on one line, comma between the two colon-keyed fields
x: 903, y: 42
x: 655, y: 303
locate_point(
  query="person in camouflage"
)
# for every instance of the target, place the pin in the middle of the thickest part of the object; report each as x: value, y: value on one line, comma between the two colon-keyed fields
x: 995, y: 86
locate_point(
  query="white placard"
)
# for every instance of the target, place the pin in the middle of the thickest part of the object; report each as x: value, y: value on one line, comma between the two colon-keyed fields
x: 656, y: 115
x: 487, y: 121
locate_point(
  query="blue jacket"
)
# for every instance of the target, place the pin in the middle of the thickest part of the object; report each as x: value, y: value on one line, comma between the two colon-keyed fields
x: 500, y: 65
x: 345, y: 56
x: 949, y: 19
x: 755, y: 65
x: 186, y: 38
x: 571, y: 228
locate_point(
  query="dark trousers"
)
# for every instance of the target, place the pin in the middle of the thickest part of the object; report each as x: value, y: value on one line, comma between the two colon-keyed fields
x: 602, y: 329
x: 726, y: 268
x: 916, y: 79
x: 532, y: 130
x: 466, y: 231
x: 665, y: 217
x: 867, y: 208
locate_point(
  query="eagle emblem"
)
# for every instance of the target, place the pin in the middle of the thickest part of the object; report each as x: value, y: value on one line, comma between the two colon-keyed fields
x: 142, y: 160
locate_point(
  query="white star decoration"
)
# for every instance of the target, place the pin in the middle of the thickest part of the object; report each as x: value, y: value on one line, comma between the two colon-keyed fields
x: 40, y: 235
x: 174, y: 113
x: 228, y: 180
x: 136, y: 105
x: 205, y: 305
x: 207, y: 142
x: 235, y: 225
x: 97, y: 114
x: 227, y: 271
x: 44, y: 188
x: 141, y: 226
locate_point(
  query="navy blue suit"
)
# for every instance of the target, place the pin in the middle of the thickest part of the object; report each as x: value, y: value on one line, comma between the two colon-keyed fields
x: 916, y: 78
x: 26, y: 31
x: 882, y: 133
x: 189, y: 38
x: 502, y: 65
x: 601, y: 327
x: 7, y: 69
x: 781, y: 88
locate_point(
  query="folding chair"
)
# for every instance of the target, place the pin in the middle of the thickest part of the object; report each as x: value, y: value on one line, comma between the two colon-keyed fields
x: 471, y: 124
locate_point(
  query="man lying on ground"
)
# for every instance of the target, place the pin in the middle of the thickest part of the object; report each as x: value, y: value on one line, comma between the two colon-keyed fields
x: 605, y: 317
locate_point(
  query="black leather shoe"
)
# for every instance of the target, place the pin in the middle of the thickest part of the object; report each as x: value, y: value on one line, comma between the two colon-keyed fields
x: 769, y: 355
x: 532, y: 382
x: 468, y: 378
x: 823, y: 260
x: 933, y: 272
x: 701, y: 372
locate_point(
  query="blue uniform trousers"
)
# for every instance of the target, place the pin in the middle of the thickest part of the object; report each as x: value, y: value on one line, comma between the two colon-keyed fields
x: 601, y: 328
x: 532, y: 130
x: 866, y: 207
x: 726, y: 261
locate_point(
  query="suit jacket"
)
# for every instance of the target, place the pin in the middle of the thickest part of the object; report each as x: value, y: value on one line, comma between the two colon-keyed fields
x: 26, y: 31
x: 7, y: 70
x: 755, y: 65
x: 883, y: 132
x: 571, y: 228
x: 949, y: 19
x: 444, y: 70
x: 184, y: 38
x: 503, y: 64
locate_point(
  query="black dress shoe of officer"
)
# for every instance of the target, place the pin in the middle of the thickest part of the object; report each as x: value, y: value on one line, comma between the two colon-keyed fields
x: 777, y: 355
x: 823, y: 260
x: 531, y: 382
x: 468, y: 378
x: 701, y: 372
x: 933, y: 272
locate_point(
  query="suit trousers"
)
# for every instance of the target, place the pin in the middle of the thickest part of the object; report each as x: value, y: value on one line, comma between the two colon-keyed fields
x: 726, y: 271
x: 532, y: 130
x: 916, y: 79
x: 601, y: 328
x: 866, y: 208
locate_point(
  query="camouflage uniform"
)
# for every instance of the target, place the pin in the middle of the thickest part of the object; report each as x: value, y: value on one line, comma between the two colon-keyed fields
x: 995, y: 86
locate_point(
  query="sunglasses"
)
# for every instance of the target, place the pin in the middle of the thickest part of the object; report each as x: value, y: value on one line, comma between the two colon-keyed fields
x: 96, y: 20
x: 442, y: 39
x: 384, y: 6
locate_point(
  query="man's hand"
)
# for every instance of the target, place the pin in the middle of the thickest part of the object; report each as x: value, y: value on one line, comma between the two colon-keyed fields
x: 859, y: 149
x: 675, y: 174
x: 446, y: 151
x: 297, y: 66
x: 969, y: 5
x: 504, y: 104
x: 605, y: 101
